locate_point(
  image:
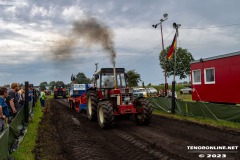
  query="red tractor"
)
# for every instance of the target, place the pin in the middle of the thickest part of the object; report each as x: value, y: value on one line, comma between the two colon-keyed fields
x: 111, y: 97
x: 60, y: 91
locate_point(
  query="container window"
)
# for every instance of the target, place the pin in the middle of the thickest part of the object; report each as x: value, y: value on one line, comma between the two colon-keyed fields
x: 209, y: 76
x: 196, y: 75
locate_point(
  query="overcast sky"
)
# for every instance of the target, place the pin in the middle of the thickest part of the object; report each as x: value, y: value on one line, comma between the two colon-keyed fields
x: 30, y: 28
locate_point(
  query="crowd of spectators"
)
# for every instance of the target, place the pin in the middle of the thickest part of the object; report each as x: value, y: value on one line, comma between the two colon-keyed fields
x: 11, y: 101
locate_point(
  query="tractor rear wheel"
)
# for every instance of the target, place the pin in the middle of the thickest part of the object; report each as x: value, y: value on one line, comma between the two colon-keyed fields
x: 92, y: 102
x: 105, y: 115
x: 145, y: 108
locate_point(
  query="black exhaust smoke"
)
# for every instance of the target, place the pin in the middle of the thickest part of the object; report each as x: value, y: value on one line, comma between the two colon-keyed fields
x: 91, y: 32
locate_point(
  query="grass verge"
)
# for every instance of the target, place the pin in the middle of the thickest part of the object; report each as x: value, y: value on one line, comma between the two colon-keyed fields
x: 202, y: 121
x: 25, y: 150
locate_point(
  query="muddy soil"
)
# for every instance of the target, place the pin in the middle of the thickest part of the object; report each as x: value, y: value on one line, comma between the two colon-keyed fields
x: 65, y: 134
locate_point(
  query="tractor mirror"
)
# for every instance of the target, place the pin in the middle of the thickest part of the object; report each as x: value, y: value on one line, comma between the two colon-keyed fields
x: 96, y: 76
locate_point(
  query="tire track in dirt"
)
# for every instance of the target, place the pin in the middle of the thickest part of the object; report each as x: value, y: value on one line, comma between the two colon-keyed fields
x: 142, y: 145
x: 127, y: 149
x: 76, y: 140
x: 83, y: 139
x: 171, y: 137
x: 79, y: 138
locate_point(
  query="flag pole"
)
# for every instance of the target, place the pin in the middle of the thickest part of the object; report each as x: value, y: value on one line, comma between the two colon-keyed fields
x: 175, y: 60
x: 175, y: 26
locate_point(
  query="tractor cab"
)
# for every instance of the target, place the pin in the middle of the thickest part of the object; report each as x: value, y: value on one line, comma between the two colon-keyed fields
x: 104, y: 79
x: 107, y: 88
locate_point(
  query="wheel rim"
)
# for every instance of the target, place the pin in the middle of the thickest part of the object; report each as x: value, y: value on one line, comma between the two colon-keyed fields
x: 141, y: 116
x: 89, y: 106
x: 100, y: 114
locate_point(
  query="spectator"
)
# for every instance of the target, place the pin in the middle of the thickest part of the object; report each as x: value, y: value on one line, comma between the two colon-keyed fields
x: 30, y: 99
x: 161, y: 93
x: 3, y: 107
x: 30, y: 94
x: 42, y: 99
x: 21, y: 94
x: 12, y: 101
x: 169, y: 94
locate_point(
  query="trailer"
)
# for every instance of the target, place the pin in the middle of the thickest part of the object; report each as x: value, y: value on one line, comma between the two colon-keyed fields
x: 78, y: 96
x: 217, y: 79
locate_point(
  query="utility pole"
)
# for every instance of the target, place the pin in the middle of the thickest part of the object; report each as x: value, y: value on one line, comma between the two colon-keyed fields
x: 175, y: 26
x: 96, y: 64
x: 163, y: 51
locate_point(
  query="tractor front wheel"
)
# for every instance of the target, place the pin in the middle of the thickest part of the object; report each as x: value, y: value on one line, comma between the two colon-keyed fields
x: 105, y: 115
x: 144, y: 109
x: 92, y: 102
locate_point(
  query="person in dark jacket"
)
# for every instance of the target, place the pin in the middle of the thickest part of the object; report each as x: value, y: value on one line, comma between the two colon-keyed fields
x: 12, y: 100
x: 3, y: 107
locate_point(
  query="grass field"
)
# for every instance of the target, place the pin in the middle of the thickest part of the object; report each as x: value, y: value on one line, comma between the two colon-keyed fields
x: 25, y: 150
x: 184, y: 97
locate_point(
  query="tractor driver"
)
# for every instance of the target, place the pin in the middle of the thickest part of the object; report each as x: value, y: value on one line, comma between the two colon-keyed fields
x: 108, y: 83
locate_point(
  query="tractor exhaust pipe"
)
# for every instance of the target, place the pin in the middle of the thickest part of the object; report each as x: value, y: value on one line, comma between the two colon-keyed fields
x: 115, y: 76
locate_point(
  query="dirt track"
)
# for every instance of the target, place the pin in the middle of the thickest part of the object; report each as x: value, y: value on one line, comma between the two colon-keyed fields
x: 65, y: 134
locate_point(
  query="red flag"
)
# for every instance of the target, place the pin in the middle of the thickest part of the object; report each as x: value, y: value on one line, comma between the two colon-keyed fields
x: 174, y: 43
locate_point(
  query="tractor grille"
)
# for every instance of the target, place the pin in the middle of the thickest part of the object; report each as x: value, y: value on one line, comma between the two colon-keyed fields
x: 125, y: 97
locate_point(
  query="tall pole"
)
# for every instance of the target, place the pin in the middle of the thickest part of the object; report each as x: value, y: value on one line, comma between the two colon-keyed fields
x: 164, y: 59
x: 163, y: 51
x: 175, y: 26
x: 26, y: 111
x: 174, y: 83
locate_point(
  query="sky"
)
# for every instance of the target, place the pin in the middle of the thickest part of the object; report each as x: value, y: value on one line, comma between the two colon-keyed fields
x: 29, y: 30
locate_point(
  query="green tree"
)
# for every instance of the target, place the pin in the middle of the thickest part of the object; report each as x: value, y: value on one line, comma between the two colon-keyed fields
x: 43, y: 85
x: 183, y: 60
x: 51, y: 85
x: 60, y: 83
x: 133, y: 78
x: 82, y: 79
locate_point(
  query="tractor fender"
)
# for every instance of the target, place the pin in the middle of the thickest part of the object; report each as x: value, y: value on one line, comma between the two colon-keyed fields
x: 91, y: 89
x: 136, y: 100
